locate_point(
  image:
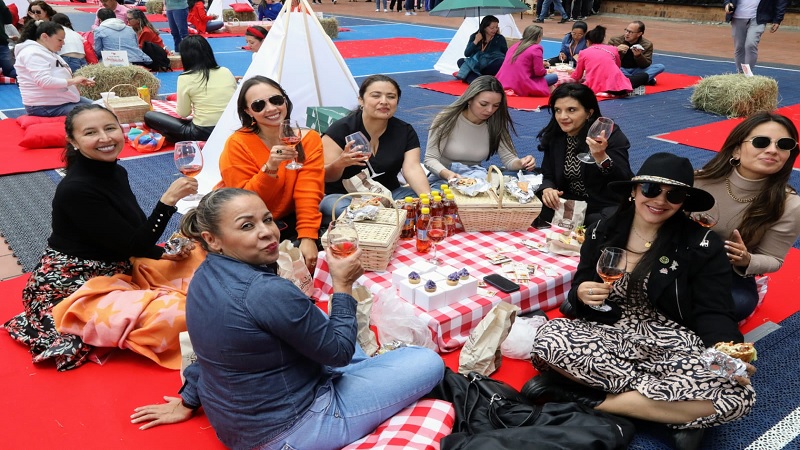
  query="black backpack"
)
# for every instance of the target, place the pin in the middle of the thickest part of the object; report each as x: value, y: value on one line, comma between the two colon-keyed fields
x: 158, y: 55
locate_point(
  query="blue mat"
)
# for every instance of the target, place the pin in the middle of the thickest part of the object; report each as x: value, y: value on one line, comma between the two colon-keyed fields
x: 384, y: 30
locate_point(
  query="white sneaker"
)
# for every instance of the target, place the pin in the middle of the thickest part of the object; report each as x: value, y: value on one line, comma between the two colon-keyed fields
x: 413, y: 13
x: 408, y: 13
x: 385, y: 10
x: 378, y: 10
x: 639, y: 91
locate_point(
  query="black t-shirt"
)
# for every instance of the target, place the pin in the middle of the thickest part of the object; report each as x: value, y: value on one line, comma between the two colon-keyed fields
x: 393, y: 144
x: 627, y: 60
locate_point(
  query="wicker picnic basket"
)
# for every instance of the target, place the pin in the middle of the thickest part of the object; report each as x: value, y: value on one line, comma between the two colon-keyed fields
x: 237, y: 26
x: 377, y: 238
x: 128, y: 109
x: 175, y: 62
x: 495, y: 210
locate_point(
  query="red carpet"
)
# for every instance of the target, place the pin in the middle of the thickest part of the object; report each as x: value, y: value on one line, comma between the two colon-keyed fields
x: 18, y: 159
x: 92, y: 404
x: 387, y: 47
x: 666, y: 82
x: 711, y: 136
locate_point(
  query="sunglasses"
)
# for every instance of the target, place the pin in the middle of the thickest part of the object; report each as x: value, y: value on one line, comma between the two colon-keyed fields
x: 762, y: 142
x: 37, y: 12
x: 676, y: 196
x: 259, y: 105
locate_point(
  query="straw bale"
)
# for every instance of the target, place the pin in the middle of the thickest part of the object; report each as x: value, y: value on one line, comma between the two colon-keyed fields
x: 735, y: 95
x: 228, y: 15
x: 107, y: 77
x: 154, y: 6
x: 331, y: 26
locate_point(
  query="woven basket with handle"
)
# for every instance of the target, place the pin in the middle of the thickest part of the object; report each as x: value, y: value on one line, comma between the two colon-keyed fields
x: 377, y: 238
x: 495, y: 210
x: 127, y: 109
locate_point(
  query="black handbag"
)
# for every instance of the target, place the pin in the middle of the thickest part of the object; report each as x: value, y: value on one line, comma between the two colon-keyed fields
x: 507, y: 408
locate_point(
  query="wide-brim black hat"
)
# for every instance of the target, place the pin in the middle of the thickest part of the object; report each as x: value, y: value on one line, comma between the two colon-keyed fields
x: 672, y: 170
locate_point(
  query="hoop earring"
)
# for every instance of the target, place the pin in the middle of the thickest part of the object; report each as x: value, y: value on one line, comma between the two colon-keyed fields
x: 734, y: 162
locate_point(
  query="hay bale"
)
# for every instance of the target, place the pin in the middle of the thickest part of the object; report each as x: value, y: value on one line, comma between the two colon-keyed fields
x: 735, y: 95
x: 154, y: 6
x: 511, y: 41
x: 331, y: 26
x: 107, y: 77
x: 228, y: 15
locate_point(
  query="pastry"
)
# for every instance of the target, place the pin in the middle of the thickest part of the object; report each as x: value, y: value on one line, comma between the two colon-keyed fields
x: 744, y: 351
x: 466, y: 181
x: 452, y: 279
x: 430, y: 286
x: 413, y: 278
x: 463, y: 274
x: 523, y: 185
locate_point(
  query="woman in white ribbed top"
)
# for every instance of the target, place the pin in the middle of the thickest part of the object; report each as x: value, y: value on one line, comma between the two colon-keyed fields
x: 473, y: 129
x: 759, y: 210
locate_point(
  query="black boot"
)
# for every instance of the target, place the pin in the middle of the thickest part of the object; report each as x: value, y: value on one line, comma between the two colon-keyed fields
x: 567, y: 309
x: 688, y: 438
x: 551, y: 386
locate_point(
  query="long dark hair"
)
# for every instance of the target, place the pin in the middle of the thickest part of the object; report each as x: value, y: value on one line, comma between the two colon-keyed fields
x: 144, y: 22
x: 63, y: 20
x: 241, y: 103
x: 197, y: 56
x: 584, y: 96
x: 596, y: 35
x: 770, y: 204
x: 485, y: 22
x: 208, y: 214
x: 36, y: 28
x: 70, y: 152
x: 45, y: 7
x: 498, y: 124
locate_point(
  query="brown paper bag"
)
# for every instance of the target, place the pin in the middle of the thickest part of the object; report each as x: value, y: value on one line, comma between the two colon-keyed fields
x: 570, y: 214
x: 481, y: 353
x: 366, y: 337
x: 292, y: 266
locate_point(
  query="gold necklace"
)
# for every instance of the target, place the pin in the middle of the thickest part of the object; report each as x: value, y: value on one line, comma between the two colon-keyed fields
x: 730, y: 193
x: 647, y: 243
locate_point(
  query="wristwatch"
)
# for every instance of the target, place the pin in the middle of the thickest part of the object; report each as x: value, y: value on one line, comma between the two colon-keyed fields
x: 605, y: 164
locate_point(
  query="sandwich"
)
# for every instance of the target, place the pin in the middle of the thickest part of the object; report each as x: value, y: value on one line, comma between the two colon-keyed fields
x: 744, y: 350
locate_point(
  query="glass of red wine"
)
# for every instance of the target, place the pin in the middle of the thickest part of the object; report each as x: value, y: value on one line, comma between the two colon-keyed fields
x: 342, y: 238
x: 437, y: 230
x: 707, y: 218
x: 611, y: 267
x: 189, y: 161
x: 291, y: 136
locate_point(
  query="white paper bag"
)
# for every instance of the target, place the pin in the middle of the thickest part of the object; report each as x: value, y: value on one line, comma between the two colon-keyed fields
x: 292, y: 266
x: 366, y: 337
x: 188, y: 355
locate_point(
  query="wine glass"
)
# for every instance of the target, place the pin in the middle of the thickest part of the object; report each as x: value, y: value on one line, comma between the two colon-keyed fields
x: 189, y: 161
x: 600, y: 126
x: 342, y: 238
x: 291, y: 136
x: 610, y: 267
x: 437, y: 230
x: 361, y: 144
x: 707, y: 218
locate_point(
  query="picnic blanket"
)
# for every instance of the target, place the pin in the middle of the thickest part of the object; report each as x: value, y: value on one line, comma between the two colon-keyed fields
x: 143, y: 312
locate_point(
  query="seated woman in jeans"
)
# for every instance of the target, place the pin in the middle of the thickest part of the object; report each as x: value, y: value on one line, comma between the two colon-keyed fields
x: 45, y: 80
x: 273, y: 371
x: 395, y: 146
x: 73, y: 51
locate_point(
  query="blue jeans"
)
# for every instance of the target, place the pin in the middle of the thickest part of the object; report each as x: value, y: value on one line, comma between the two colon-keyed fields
x: 74, y: 63
x: 5, y: 62
x: 551, y: 79
x: 178, y: 25
x: 745, y: 296
x: 557, y: 4
x: 378, y: 4
x: 214, y: 25
x: 652, y: 70
x: 361, y: 396
x: 55, y: 110
x: 326, y: 205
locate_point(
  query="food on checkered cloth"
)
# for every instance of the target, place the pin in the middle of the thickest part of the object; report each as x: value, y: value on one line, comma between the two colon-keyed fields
x: 430, y: 286
x: 463, y: 274
x: 743, y: 350
x: 580, y: 234
x: 452, y: 279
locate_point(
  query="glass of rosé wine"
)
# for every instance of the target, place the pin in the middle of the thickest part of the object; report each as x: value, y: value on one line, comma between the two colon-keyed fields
x: 189, y: 161
x: 707, y: 218
x: 611, y: 267
x: 437, y: 230
x: 342, y: 238
x: 291, y: 136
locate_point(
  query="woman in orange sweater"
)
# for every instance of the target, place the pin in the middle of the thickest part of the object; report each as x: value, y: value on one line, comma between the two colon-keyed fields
x: 202, y: 22
x: 255, y: 159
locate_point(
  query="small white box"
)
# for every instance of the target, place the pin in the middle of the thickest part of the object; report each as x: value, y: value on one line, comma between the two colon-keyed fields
x: 431, y: 300
x: 407, y: 290
x: 445, y: 270
x: 401, y: 273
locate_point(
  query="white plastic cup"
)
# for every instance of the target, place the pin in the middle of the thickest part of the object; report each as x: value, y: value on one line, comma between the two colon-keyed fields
x: 107, y: 95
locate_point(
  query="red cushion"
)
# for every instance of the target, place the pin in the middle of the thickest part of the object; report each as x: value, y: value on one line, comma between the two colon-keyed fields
x: 26, y: 121
x: 141, y: 8
x: 44, y: 135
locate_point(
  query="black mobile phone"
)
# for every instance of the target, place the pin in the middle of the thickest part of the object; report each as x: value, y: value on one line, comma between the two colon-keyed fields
x: 501, y: 282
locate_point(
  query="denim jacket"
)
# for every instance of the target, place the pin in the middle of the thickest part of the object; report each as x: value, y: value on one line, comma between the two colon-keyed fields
x: 262, y: 349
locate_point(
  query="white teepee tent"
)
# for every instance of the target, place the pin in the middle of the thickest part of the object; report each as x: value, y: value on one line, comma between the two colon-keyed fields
x: 455, y: 49
x: 302, y: 58
x: 217, y: 6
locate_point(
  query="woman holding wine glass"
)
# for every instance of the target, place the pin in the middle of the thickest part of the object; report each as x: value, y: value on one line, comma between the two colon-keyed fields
x: 393, y: 144
x: 575, y: 109
x: 672, y: 302
x: 759, y: 211
x: 97, y: 227
x: 257, y: 158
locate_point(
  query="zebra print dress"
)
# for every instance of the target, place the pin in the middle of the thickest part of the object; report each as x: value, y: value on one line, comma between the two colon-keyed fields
x: 643, y: 351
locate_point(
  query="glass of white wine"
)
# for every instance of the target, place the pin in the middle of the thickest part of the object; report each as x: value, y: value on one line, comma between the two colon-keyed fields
x: 611, y: 267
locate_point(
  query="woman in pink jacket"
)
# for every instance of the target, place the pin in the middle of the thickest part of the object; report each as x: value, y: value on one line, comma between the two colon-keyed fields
x: 599, y: 67
x: 523, y: 70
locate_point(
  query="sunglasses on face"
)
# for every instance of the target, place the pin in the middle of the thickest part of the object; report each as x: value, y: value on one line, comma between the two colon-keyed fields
x: 676, y: 196
x: 36, y: 12
x: 762, y: 142
x: 259, y: 105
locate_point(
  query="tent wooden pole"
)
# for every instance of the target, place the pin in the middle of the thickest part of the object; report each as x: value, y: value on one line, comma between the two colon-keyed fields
x: 306, y: 17
x: 282, y: 53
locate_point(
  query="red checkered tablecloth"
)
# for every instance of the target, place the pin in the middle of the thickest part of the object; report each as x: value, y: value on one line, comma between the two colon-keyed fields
x: 164, y: 106
x: 452, y: 324
x: 420, y: 426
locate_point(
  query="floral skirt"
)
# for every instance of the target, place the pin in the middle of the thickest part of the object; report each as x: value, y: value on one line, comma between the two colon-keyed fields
x: 55, y: 278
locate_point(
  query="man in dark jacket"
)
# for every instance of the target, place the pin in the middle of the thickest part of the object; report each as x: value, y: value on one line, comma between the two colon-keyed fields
x: 748, y: 20
x: 6, y: 64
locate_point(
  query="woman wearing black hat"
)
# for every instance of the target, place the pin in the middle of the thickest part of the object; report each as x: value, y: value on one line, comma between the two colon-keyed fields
x: 643, y: 356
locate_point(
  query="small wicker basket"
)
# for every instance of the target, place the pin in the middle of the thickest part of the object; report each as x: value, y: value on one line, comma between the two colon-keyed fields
x: 495, y: 210
x: 377, y: 238
x: 175, y: 62
x: 127, y: 109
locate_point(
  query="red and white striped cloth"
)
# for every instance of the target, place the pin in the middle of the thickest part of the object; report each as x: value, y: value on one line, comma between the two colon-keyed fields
x: 452, y: 324
x: 420, y: 427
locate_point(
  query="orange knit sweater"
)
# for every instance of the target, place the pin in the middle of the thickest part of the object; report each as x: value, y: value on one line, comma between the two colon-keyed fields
x: 298, y: 191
